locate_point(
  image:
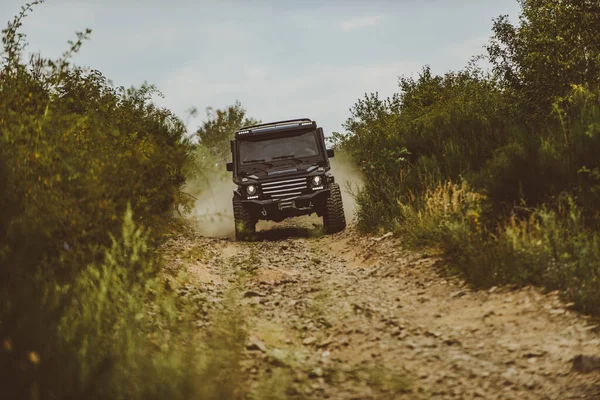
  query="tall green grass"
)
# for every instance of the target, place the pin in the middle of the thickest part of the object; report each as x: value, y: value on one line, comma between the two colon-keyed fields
x: 120, y: 330
x: 554, y: 249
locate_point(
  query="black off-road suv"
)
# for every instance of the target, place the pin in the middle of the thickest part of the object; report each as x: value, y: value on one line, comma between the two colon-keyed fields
x: 282, y: 170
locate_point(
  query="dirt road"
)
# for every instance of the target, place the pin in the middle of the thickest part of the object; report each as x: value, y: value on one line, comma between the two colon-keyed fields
x: 351, y: 317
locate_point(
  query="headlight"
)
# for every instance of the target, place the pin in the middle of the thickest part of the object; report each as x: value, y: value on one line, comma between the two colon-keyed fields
x: 251, y: 189
x: 317, y: 180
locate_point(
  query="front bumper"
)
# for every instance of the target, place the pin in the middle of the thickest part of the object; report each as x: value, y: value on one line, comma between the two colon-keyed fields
x: 303, y: 204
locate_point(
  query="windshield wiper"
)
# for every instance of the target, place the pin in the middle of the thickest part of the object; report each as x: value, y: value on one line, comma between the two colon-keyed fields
x: 281, y: 157
x: 261, y: 160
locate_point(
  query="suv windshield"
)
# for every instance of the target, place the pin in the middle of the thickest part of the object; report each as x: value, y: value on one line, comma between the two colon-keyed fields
x: 281, y: 148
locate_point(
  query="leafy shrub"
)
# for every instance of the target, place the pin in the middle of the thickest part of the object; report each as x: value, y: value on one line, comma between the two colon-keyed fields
x: 520, y: 140
x: 74, y: 153
x: 83, y: 311
x: 437, y: 129
x: 536, y: 166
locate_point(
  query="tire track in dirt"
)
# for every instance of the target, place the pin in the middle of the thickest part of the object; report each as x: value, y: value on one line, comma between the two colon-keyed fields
x: 350, y: 317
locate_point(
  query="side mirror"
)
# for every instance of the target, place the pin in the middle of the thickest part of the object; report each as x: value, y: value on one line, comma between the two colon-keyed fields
x: 330, y: 153
x: 229, y: 166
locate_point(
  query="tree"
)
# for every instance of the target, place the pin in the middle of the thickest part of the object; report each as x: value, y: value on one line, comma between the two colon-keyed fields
x: 216, y: 132
x: 555, y: 45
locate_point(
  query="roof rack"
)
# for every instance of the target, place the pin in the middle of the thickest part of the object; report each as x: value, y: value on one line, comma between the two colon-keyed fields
x: 277, y: 123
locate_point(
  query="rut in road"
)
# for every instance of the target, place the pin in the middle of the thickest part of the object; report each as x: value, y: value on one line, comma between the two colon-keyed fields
x: 351, y: 317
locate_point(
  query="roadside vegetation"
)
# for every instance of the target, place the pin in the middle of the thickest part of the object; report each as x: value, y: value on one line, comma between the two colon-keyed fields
x: 90, y: 176
x: 499, y: 170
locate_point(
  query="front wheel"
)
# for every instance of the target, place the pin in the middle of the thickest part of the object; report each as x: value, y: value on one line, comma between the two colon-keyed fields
x: 333, y: 219
x: 245, y: 225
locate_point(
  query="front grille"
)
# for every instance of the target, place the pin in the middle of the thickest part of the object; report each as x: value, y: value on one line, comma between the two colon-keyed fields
x: 285, y: 204
x: 285, y: 189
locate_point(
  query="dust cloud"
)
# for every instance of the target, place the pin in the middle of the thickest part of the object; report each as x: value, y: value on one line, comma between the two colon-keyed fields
x: 349, y: 178
x: 213, y: 211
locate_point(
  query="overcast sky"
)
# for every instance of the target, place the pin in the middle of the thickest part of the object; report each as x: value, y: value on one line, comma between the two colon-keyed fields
x: 281, y: 59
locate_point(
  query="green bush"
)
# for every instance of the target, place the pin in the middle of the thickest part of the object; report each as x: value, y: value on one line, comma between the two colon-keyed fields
x: 74, y: 152
x: 84, y: 312
x: 520, y: 141
x: 536, y: 166
x: 437, y: 129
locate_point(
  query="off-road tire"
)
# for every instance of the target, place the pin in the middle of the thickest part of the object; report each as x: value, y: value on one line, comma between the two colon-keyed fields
x: 333, y: 218
x: 245, y: 225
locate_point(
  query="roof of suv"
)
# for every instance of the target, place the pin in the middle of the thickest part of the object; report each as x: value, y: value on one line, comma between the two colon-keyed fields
x: 289, y: 124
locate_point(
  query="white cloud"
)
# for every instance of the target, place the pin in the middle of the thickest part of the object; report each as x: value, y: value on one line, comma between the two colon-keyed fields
x: 360, y: 23
x: 324, y: 93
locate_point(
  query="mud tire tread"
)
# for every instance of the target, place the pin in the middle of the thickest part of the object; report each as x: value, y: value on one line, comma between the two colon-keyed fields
x: 245, y: 224
x: 333, y: 219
